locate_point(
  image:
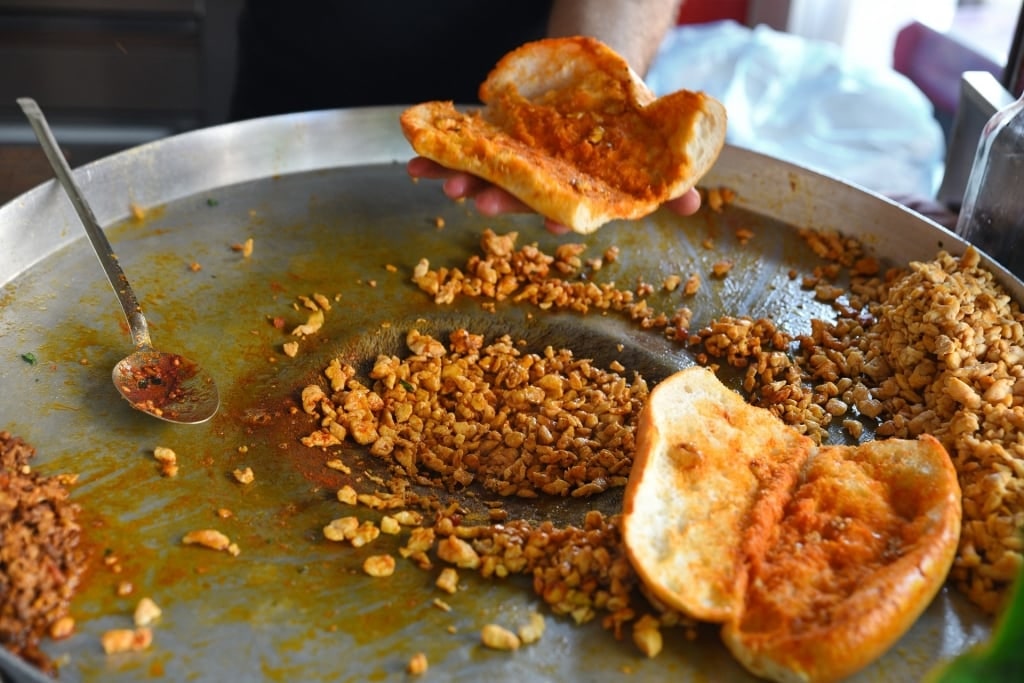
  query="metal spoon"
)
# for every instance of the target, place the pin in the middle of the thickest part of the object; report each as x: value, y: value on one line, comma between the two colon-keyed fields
x: 165, y: 385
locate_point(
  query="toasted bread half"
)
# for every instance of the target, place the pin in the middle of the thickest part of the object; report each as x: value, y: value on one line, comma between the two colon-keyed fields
x: 864, y: 544
x: 705, y: 460
x: 816, y: 559
x: 573, y: 132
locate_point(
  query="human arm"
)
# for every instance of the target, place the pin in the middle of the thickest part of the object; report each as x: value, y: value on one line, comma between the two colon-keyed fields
x: 633, y: 28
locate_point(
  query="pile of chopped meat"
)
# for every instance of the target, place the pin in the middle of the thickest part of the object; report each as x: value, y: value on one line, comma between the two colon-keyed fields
x: 40, y: 558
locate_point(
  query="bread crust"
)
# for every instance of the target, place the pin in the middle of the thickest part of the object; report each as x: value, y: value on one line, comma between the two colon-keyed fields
x: 863, y: 595
x: 570, y: 130
x: 704, y: 460
x: 816, y: 559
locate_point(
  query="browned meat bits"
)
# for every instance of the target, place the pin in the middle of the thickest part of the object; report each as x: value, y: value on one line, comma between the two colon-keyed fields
x: 40, y: 559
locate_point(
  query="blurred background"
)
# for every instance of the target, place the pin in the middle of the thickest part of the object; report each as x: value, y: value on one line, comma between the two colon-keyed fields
x: 113, y: 74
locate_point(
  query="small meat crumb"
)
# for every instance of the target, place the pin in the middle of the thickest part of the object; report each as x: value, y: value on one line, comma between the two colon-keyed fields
x: 826, y: 292
x: 126, y: 640
x: 245, y: 248
x: 853, y: 427
x: 721, y: 268
x: 244, y: 475
x: 312, y: 325
x: 351, y: 530
x: 365, y: 532
x: 458, y: 552
x: 146, y: 612
x: 417, y: 664
x: 347, y: 494
x: 210, y: 538
x: 692, y: 285
x: 62, y: 628
x: 408, y: 517
x: 163, y: 454
x: 499, y: 638
x: 647, y: 635
x: 336, y: 464
x: 113, y: 562
x: 533, y: 630
x: 420, y: 540
x: 379, y: 566
x: 168, y: 460
x: 341, y: 529
x: 448, y: 580
x: 718, y: 197
x: 389, y: 525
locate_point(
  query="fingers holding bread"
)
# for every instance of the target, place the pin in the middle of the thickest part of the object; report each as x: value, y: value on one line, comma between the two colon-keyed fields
x: 571, y: 131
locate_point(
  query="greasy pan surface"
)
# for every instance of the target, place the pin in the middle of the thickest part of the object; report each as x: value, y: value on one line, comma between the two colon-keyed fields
x: 329, y: 210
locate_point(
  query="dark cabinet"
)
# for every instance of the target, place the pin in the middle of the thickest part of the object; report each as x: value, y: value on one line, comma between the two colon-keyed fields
x: 111, y: 74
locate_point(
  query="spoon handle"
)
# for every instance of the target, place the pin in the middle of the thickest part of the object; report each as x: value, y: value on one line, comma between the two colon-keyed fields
x: 118, y: 280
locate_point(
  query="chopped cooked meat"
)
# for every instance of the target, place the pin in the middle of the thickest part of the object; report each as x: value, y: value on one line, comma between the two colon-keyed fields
x: 40, y: 558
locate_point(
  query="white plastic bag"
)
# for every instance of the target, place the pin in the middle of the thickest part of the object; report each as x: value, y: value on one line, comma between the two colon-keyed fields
x: 801, y: 101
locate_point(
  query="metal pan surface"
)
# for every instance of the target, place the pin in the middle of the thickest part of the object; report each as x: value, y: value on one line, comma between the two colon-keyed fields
x: 325, y: 198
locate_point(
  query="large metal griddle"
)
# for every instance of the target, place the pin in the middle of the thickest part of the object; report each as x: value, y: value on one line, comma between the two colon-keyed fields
x: 329, y: 206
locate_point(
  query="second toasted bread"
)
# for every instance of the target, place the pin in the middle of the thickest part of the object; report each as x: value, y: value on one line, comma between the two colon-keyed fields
x: 816, y: 559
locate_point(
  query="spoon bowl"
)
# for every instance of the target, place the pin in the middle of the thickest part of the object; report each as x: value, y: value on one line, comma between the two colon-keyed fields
x: 167, y: 386
x: 164, y: 385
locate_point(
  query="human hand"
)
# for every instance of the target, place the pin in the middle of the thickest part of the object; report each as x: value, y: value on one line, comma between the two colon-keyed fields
x: 493, y: 201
